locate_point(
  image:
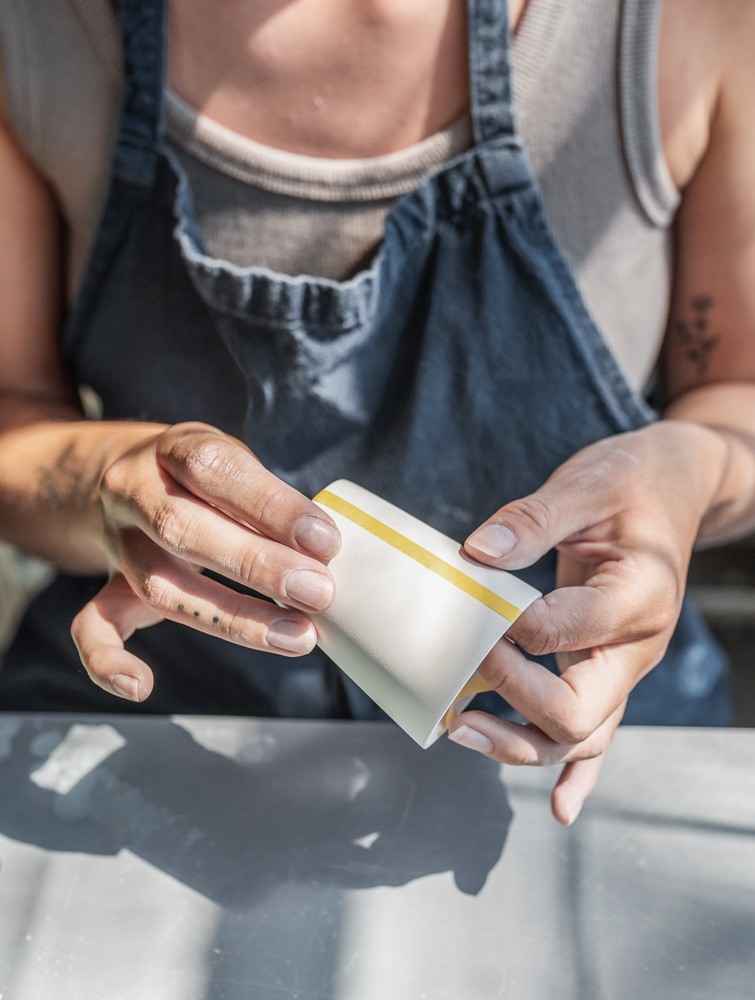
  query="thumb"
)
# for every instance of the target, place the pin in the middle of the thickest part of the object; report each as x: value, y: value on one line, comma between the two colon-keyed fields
x: 524, y: 530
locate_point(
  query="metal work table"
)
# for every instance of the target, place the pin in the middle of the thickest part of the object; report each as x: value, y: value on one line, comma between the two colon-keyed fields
x: 236, y: 859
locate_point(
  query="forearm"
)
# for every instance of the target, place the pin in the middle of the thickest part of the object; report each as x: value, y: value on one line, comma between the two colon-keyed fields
x: 51, y: 465
x: 727, y: 409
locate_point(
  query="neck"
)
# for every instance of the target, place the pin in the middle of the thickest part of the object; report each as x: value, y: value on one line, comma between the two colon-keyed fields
x: 333, y: 78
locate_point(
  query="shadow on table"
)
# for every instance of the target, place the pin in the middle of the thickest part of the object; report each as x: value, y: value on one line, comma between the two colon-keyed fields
x: 347, y: 806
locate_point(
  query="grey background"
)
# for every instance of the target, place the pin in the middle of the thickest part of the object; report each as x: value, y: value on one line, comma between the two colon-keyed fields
x: 723, y: 582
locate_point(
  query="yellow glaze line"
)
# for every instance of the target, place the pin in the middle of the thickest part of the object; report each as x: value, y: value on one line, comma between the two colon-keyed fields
x: 475, y: 685
x: 432, y: 562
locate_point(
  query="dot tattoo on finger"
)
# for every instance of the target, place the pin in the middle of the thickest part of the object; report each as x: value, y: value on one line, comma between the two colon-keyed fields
x: 196, y: 614
x: 180, y: 607
x: 215, y: 620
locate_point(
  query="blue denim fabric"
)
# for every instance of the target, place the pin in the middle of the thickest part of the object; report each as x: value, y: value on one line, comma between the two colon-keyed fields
x: 452, y: 376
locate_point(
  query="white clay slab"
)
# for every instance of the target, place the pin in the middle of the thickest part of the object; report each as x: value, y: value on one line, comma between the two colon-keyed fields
x: 413, y: 617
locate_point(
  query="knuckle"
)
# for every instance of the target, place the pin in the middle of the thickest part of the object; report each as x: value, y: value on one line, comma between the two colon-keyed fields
x: 544, y: 636
x: 253, y: 566
x: 495, y: 671
x: 113, y: 481
x: 176, y: 440
x: 534, y: 512
x: 187, y: 427
x: 570, y: 728
x: 205, y: 461
x: 155, y: 591
x: 238, y: 626
x: 172, y: 526
x: 661, y: 617
x: 268, y: 502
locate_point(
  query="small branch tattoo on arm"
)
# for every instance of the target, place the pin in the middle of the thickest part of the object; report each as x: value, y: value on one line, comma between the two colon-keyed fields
x: 62, y: 483
x: 47, y: 487
x: 50, y: 479
x: 695, y: 333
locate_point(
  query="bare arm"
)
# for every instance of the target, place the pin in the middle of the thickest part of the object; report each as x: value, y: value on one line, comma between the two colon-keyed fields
x: 625, y: 512
x: 51, y: 460
x: 709, y: 353
x: 148, y: 504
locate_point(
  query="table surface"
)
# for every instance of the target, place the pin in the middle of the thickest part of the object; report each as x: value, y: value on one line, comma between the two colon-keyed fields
x: 229, y: 859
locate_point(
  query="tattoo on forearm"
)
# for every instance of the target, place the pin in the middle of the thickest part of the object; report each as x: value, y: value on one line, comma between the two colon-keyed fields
x: 695, y: 333
x: 47, y: 487
x: 59, y: 483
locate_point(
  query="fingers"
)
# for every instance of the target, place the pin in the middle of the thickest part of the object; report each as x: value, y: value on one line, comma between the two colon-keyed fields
x: 158, y: 586
x: 220, y: 470
x: 573, y: 787
x: 524, y: 745
x: 629, y: 568
x: 194, y: 532
x: 138, y: 492
x: 99, y: 631
x: 627, y: 602
x: 172, y: 589
x: 521, y: 532
x: 586, y: 492
x: 511, y: 743
x: 569, y: 708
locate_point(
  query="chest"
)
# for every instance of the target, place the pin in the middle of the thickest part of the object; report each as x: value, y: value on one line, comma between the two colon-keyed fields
x: 358, y: 78
x: 336, y: 78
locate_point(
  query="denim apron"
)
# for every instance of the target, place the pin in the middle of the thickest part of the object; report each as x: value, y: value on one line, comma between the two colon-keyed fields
x: 450, y: 377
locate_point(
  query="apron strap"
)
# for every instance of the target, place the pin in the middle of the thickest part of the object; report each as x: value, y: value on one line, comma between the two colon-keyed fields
x: 144, y: 42
x: 492, y: 104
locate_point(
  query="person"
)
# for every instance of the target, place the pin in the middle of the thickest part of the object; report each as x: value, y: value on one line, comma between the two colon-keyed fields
x: 324, y: 252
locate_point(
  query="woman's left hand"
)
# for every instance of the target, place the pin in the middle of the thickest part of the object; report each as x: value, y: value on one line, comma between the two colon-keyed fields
x: 623, y: 514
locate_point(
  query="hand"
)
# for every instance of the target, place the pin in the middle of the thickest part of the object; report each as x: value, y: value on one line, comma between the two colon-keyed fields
x: 623, y: 514
x: 193, y: 498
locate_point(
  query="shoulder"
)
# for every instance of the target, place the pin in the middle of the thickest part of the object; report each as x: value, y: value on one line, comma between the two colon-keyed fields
x: 737, y: 62
x: 706, y: 70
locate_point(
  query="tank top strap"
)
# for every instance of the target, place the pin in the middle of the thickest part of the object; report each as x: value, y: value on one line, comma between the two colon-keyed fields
x: 144, y: 40
x: 492, y: 103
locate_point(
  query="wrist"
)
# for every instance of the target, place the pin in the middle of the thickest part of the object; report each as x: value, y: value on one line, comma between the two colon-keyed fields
x: 705, y: 453
x: 691, y: 458
x: 724, y: 470
x: 50, y: 475
x: 98, y: 446
x: 116, y: 440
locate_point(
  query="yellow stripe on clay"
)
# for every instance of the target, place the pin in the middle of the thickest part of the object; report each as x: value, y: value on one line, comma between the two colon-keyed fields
x: 475, y: 685
x: 432, y: 562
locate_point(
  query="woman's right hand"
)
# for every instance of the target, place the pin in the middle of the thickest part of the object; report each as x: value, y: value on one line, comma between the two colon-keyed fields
x: 192, y: 498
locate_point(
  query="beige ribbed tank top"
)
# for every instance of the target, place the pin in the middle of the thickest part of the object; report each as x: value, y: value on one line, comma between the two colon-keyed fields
x: 585, y: 88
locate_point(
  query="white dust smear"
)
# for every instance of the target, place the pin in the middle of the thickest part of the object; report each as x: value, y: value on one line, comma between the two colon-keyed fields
x: 82, y: 749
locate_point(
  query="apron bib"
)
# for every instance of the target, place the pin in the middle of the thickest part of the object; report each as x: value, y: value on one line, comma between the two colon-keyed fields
x: 450, y: 377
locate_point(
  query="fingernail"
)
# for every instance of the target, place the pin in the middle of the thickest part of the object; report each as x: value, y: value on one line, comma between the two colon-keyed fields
x: 471, y: 739
x: 573, y: 813
x: 294, y: 637
x: 494, y: 540
x: 313, y: 589
x: 317, y: 537
x: 125, y: 686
